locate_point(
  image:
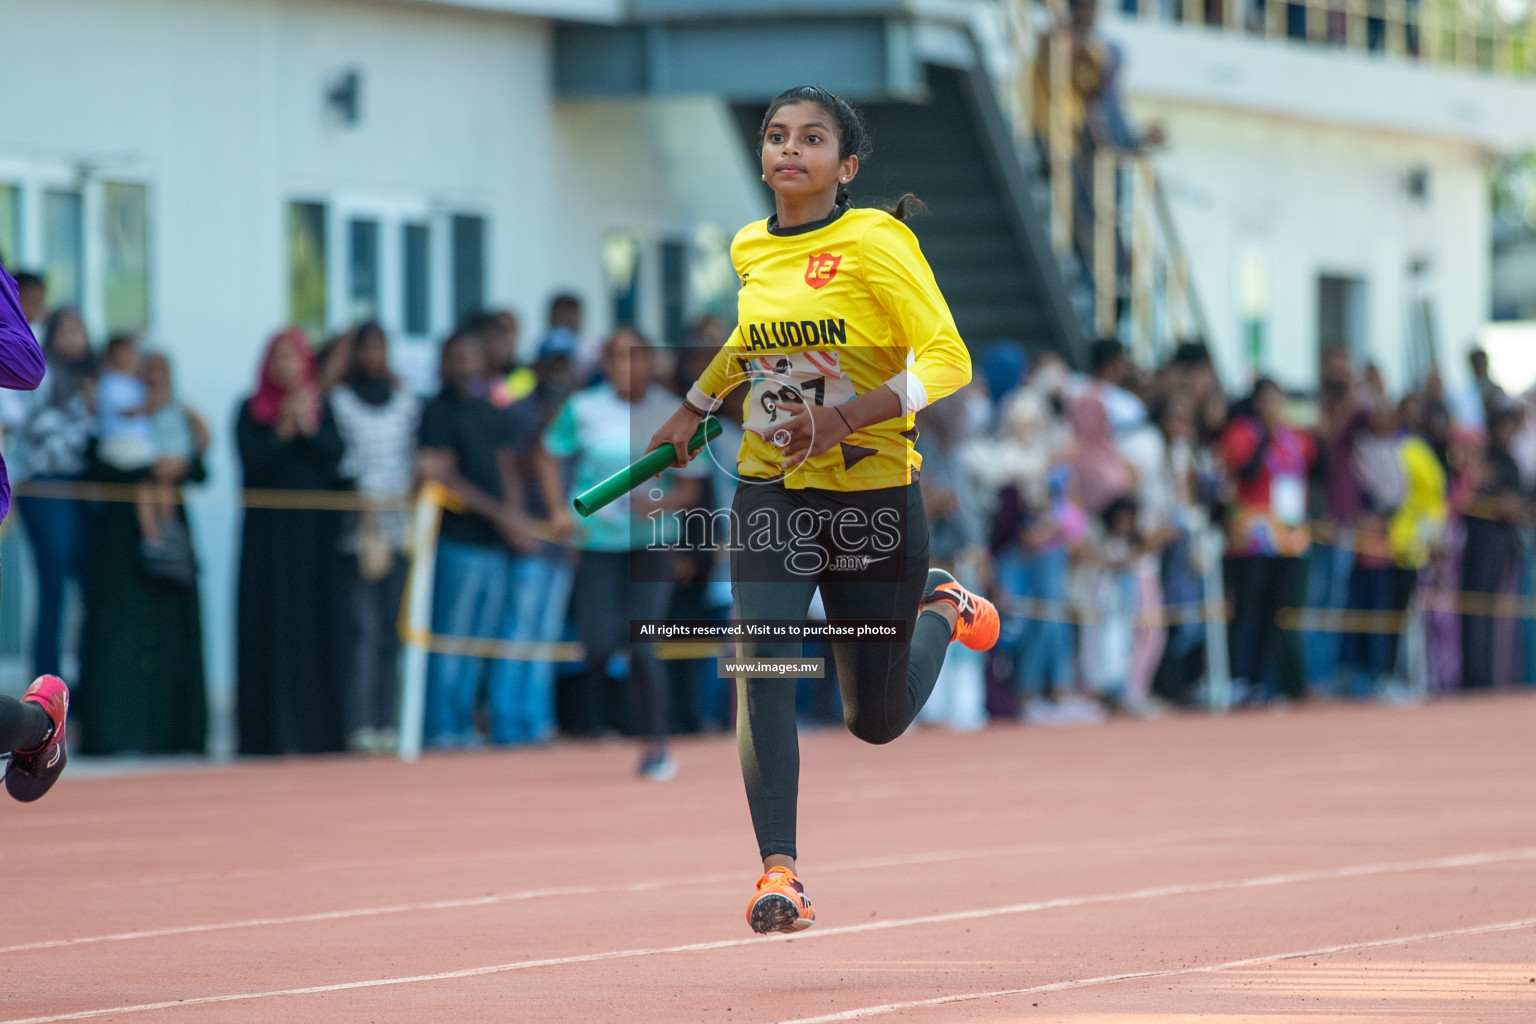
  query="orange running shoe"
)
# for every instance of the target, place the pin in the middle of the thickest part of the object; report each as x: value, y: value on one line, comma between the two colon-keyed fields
x: 780, y: 904
x: 977, y: 625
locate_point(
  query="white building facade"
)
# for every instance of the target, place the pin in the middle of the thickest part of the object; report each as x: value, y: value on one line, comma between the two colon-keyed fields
x: 1326, y: 195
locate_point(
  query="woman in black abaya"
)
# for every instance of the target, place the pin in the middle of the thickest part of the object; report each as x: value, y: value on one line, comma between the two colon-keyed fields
x: 291, y: 586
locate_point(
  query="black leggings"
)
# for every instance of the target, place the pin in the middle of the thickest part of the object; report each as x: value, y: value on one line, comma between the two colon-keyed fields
x: 22, y: 726
x: 884, y: 685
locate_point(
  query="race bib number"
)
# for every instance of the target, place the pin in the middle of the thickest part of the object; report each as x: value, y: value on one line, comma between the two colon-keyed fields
x: 812, y: 377
x: 1288, y: 499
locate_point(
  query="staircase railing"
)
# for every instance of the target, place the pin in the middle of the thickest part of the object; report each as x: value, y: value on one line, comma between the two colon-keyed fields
x: 1110, y: 222
x: 1495, y: 36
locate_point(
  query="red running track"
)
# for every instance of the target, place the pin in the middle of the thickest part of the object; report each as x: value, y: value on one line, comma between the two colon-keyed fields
x: 1337, y: 863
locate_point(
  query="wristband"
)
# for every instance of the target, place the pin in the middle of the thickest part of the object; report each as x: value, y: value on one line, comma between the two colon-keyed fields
x: 700, y: 413
x: 844, y: 418
x: 702, y: 399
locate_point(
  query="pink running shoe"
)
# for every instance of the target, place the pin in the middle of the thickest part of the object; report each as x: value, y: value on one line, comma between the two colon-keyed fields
x: 33, y: 772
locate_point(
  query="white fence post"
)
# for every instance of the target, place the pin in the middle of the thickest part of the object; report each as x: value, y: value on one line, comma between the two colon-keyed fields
x: 1413, y: 651
x: 416, y: 618
x: 1218, y: 670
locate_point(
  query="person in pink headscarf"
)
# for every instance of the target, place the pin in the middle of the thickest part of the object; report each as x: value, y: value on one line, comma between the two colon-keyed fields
x: 1103, y: 486
x: 289, y: 668
x: 1099, y: 473
x: 287, y: 386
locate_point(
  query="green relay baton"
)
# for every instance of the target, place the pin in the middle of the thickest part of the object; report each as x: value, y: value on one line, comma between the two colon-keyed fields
x: 641, y: 470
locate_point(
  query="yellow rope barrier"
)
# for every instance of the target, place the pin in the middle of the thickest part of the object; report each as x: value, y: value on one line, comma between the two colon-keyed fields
x: 526, y: 650
x: 1372, y: 542
x: 293, y: 500
x: 261, y: 498
x: 1480, y: 507
x: 1310, y: 620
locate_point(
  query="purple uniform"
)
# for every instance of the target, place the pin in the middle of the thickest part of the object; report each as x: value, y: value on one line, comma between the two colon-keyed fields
x: 21, y: 361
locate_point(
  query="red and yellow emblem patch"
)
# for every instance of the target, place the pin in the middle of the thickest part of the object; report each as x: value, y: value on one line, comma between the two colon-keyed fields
x: 821, y: 269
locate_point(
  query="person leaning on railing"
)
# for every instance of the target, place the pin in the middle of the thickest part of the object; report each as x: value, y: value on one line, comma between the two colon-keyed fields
x: 1095, y: 101
x: 519, y: 692
x: 1491, y: 554
x: 378, y: 419
x: 1268, y: 461
x: 466, y: 446
x: 1380, y: 587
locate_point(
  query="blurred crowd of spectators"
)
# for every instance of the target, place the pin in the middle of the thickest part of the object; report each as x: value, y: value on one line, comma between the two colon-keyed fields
x: 1103, y: 511
x: 1364, y: 544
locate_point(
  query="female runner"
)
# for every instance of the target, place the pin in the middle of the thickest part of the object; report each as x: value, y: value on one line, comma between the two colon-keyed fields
x: 843, y: 336
x: 31, y: 729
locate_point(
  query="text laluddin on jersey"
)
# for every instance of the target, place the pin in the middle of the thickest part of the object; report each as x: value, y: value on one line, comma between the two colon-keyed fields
x: 796, y: 334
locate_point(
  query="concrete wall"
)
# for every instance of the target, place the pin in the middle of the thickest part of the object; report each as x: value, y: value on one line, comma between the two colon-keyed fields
x: 1320, y: 83
x: 662, y: 168
x: 1293, y: 160
x: 1299, y: 200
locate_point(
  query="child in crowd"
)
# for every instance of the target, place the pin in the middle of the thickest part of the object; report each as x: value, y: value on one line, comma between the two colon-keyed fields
x: 140, y: 426
x: 172, y: 435
x: 125, y: 440
x: 1108, y: 590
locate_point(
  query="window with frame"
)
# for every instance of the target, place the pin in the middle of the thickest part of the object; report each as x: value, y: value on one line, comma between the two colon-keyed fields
x: 1341, y: 314
x: 10, y: 227
x: 363, y: 269
x: 712, y: 281
x: 468, y: 266
x: 125, y: 281
x: 416, y: 268
x: 63, y: 247
x: 674, y: 291
x: 621, y: 273
x: 307, y: 265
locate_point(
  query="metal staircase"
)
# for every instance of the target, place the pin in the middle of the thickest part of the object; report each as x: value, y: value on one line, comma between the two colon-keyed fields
x: 1021, y: 233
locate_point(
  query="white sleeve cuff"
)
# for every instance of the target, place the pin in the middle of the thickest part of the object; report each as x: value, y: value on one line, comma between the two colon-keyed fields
x: 914, y: 397
x: 704, y: 401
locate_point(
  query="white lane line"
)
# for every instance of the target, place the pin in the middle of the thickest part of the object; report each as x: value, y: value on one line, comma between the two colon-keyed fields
x: 934, y: 857
x: 554, y: 852
x: 1109, y: 979
x: 342, y: 915
x: 1356, y: 871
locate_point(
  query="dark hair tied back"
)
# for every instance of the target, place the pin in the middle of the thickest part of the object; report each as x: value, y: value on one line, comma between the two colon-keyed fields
x: 907, y: 206
x: 852, y: 138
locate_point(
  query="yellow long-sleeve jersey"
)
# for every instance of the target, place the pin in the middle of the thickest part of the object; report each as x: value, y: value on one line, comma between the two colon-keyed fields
x: 829, y: 311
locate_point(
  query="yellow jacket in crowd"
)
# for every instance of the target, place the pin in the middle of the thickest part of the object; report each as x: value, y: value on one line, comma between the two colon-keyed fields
x: 1416, y: 526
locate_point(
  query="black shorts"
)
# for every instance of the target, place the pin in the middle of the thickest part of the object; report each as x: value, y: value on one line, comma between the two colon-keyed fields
x: 782, y: 534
